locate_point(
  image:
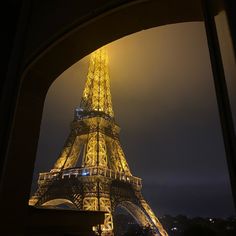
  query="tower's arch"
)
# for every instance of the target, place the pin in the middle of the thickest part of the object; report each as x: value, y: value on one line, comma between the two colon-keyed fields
x: 59, y: 202
x: 136, y: 212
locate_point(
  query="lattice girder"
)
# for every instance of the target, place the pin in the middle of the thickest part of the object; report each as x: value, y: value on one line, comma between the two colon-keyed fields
x: 68, y: 150
x: 97, y: 95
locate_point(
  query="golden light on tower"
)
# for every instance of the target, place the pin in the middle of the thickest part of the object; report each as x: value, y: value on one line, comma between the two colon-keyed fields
x: 104, y: 180
x: 97, y: 95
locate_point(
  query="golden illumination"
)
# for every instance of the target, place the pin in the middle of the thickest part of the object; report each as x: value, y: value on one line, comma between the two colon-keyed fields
x: 97, y: 95
x: 104, y: 180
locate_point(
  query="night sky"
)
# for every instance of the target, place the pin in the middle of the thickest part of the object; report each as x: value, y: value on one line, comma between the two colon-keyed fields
x: 164, y: 101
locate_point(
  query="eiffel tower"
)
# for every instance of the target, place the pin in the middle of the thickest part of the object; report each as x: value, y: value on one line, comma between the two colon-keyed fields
x: 103, y: 181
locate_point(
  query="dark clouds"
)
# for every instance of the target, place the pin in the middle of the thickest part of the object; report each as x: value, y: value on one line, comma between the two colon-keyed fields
x: 164, y: 101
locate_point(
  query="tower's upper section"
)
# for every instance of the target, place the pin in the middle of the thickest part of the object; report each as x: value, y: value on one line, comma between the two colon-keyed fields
x: 97, y: 95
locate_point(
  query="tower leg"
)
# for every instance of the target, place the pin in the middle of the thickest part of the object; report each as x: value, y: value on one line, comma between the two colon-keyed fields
x: 105, y: 205
x: 153, y: 218
x: 95, y: 199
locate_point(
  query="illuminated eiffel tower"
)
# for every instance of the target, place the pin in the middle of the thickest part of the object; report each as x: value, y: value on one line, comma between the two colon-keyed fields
x: 103, y: 181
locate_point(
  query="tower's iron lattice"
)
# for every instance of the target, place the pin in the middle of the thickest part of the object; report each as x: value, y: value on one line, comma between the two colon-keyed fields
x: 104, y: 180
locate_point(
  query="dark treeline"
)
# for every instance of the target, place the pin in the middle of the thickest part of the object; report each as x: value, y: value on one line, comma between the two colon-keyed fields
x: 178, y: 226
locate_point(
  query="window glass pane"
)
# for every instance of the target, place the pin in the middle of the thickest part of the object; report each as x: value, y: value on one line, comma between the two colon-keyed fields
x: 164, y: 101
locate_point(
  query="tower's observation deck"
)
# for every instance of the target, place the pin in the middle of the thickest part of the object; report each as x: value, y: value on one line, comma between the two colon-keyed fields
x: 80, y: 173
